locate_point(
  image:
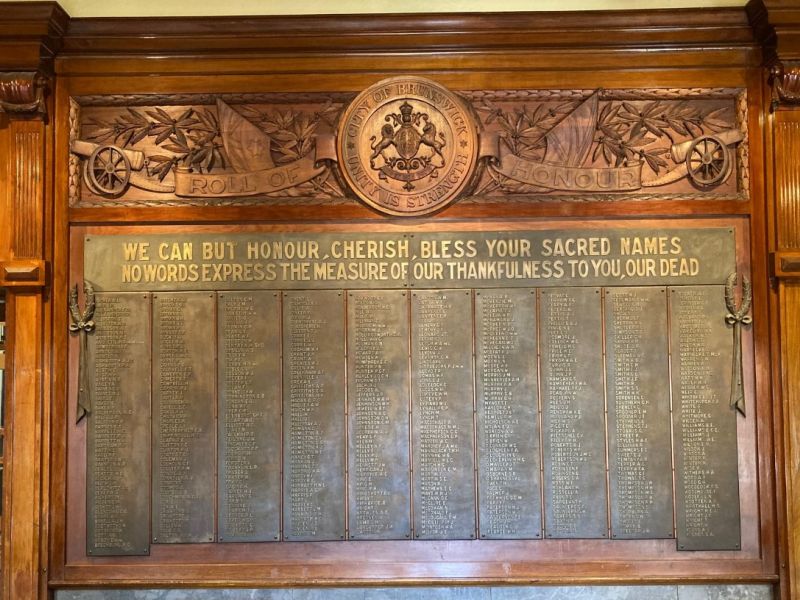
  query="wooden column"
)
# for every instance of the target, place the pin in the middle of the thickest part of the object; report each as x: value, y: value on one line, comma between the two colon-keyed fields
x: 785, y: 131
x: 23, y: 144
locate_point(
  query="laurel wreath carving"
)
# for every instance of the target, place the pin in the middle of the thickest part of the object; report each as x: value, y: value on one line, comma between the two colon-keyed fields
x: 738, y: 313
x: 82, y: 320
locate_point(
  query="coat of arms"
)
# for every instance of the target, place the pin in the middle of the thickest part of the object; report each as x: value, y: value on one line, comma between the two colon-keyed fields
x: 410, y: 147
x: 407, y: 146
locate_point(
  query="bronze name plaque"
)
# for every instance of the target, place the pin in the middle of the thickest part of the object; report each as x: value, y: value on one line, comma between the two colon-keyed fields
x: 512, y: 405
x: 118, y: 473
x: 442, y: 415
x: 314, y: 415
x: 249, y: 432
x: 184, y: 428
x: 573, y: 423
x: 639, y: 436
x: 706, y: 461
x: 459, y: 259
x: 508, y: 414
x: 378, y: 415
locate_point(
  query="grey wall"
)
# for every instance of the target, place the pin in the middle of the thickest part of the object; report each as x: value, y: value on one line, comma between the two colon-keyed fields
x: 653, y: 592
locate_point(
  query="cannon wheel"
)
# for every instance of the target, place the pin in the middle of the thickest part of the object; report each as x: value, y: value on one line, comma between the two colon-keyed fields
x: 108, y: 170
x: 708, y: 160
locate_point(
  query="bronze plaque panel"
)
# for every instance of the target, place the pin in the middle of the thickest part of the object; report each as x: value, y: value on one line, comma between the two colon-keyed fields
x: 571, y: 334
x: 314, y: 415
x: 379, y: 484
x: 442, y: 415
x: 639, y: 436
x: 509, y: 486
x: 249, y: 434
x: 706, y: 468
x: 118, y: 438
x: 380, y: 260
x: 184, y: 428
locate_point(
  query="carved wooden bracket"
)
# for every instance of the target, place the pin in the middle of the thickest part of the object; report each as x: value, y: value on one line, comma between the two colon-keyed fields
x: 785, y: 81
x: 22, y: 93
x: 23, y: 273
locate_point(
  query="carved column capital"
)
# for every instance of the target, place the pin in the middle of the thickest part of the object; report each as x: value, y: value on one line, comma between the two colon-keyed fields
x: 785, y: 80
x: 22, y: 93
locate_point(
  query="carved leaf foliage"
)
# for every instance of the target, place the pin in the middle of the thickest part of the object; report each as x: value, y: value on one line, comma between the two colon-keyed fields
x: 524, y: 129
x: 291, y: 132
x: 193, y: 137
x: 626, y: 132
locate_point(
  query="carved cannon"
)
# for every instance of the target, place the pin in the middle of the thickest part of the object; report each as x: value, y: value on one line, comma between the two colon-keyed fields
x: 108, y: 170
x: 707, y: 158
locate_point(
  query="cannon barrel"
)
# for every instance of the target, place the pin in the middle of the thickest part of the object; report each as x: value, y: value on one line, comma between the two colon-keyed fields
x: 85, y: 149
x: 728, y: 137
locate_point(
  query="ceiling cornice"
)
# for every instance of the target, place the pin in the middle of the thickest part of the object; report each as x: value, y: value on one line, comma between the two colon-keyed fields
x: 420, y: 32
x: 30, y: 35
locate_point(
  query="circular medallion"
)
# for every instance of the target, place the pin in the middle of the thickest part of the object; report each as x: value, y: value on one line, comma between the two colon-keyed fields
x: 407, y: 146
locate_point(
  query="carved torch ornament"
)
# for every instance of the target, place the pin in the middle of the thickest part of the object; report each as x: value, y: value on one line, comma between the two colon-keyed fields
x: 736, y: 317
x: 82, y: 324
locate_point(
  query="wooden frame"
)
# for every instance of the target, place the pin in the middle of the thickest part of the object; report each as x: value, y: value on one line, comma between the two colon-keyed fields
x: 704, y: 48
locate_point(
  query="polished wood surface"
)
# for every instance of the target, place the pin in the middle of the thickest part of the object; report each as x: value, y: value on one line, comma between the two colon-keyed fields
x: 23, y: 275
x: 87, y: 58
x: 525, y: 64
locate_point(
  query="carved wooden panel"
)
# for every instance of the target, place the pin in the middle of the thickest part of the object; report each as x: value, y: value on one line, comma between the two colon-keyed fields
x: 405, y: 145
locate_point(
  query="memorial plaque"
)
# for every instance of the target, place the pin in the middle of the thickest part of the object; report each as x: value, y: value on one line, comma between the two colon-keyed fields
x: 378, y: 396
x: 574, y: 452
x: 706, y: 467
x: 509, y: 487
x: 118, y: 427
x: 380, y: 260
x: 314, y: 415
x: 249, y: 435
x: 442, y: 415
x: 184, y: 428
x: 639, y: 435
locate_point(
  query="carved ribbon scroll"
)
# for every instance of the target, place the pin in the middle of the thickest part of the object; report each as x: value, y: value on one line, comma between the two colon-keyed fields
x: 737, y: 316
x: 82, y: 324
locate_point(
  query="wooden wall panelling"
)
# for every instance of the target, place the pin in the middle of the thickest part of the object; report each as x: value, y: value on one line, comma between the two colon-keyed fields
x: 463, y: 57
x: 786, y: 181
x: 765, y: 390
x: 23, y: 276
x: 29, y: 38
